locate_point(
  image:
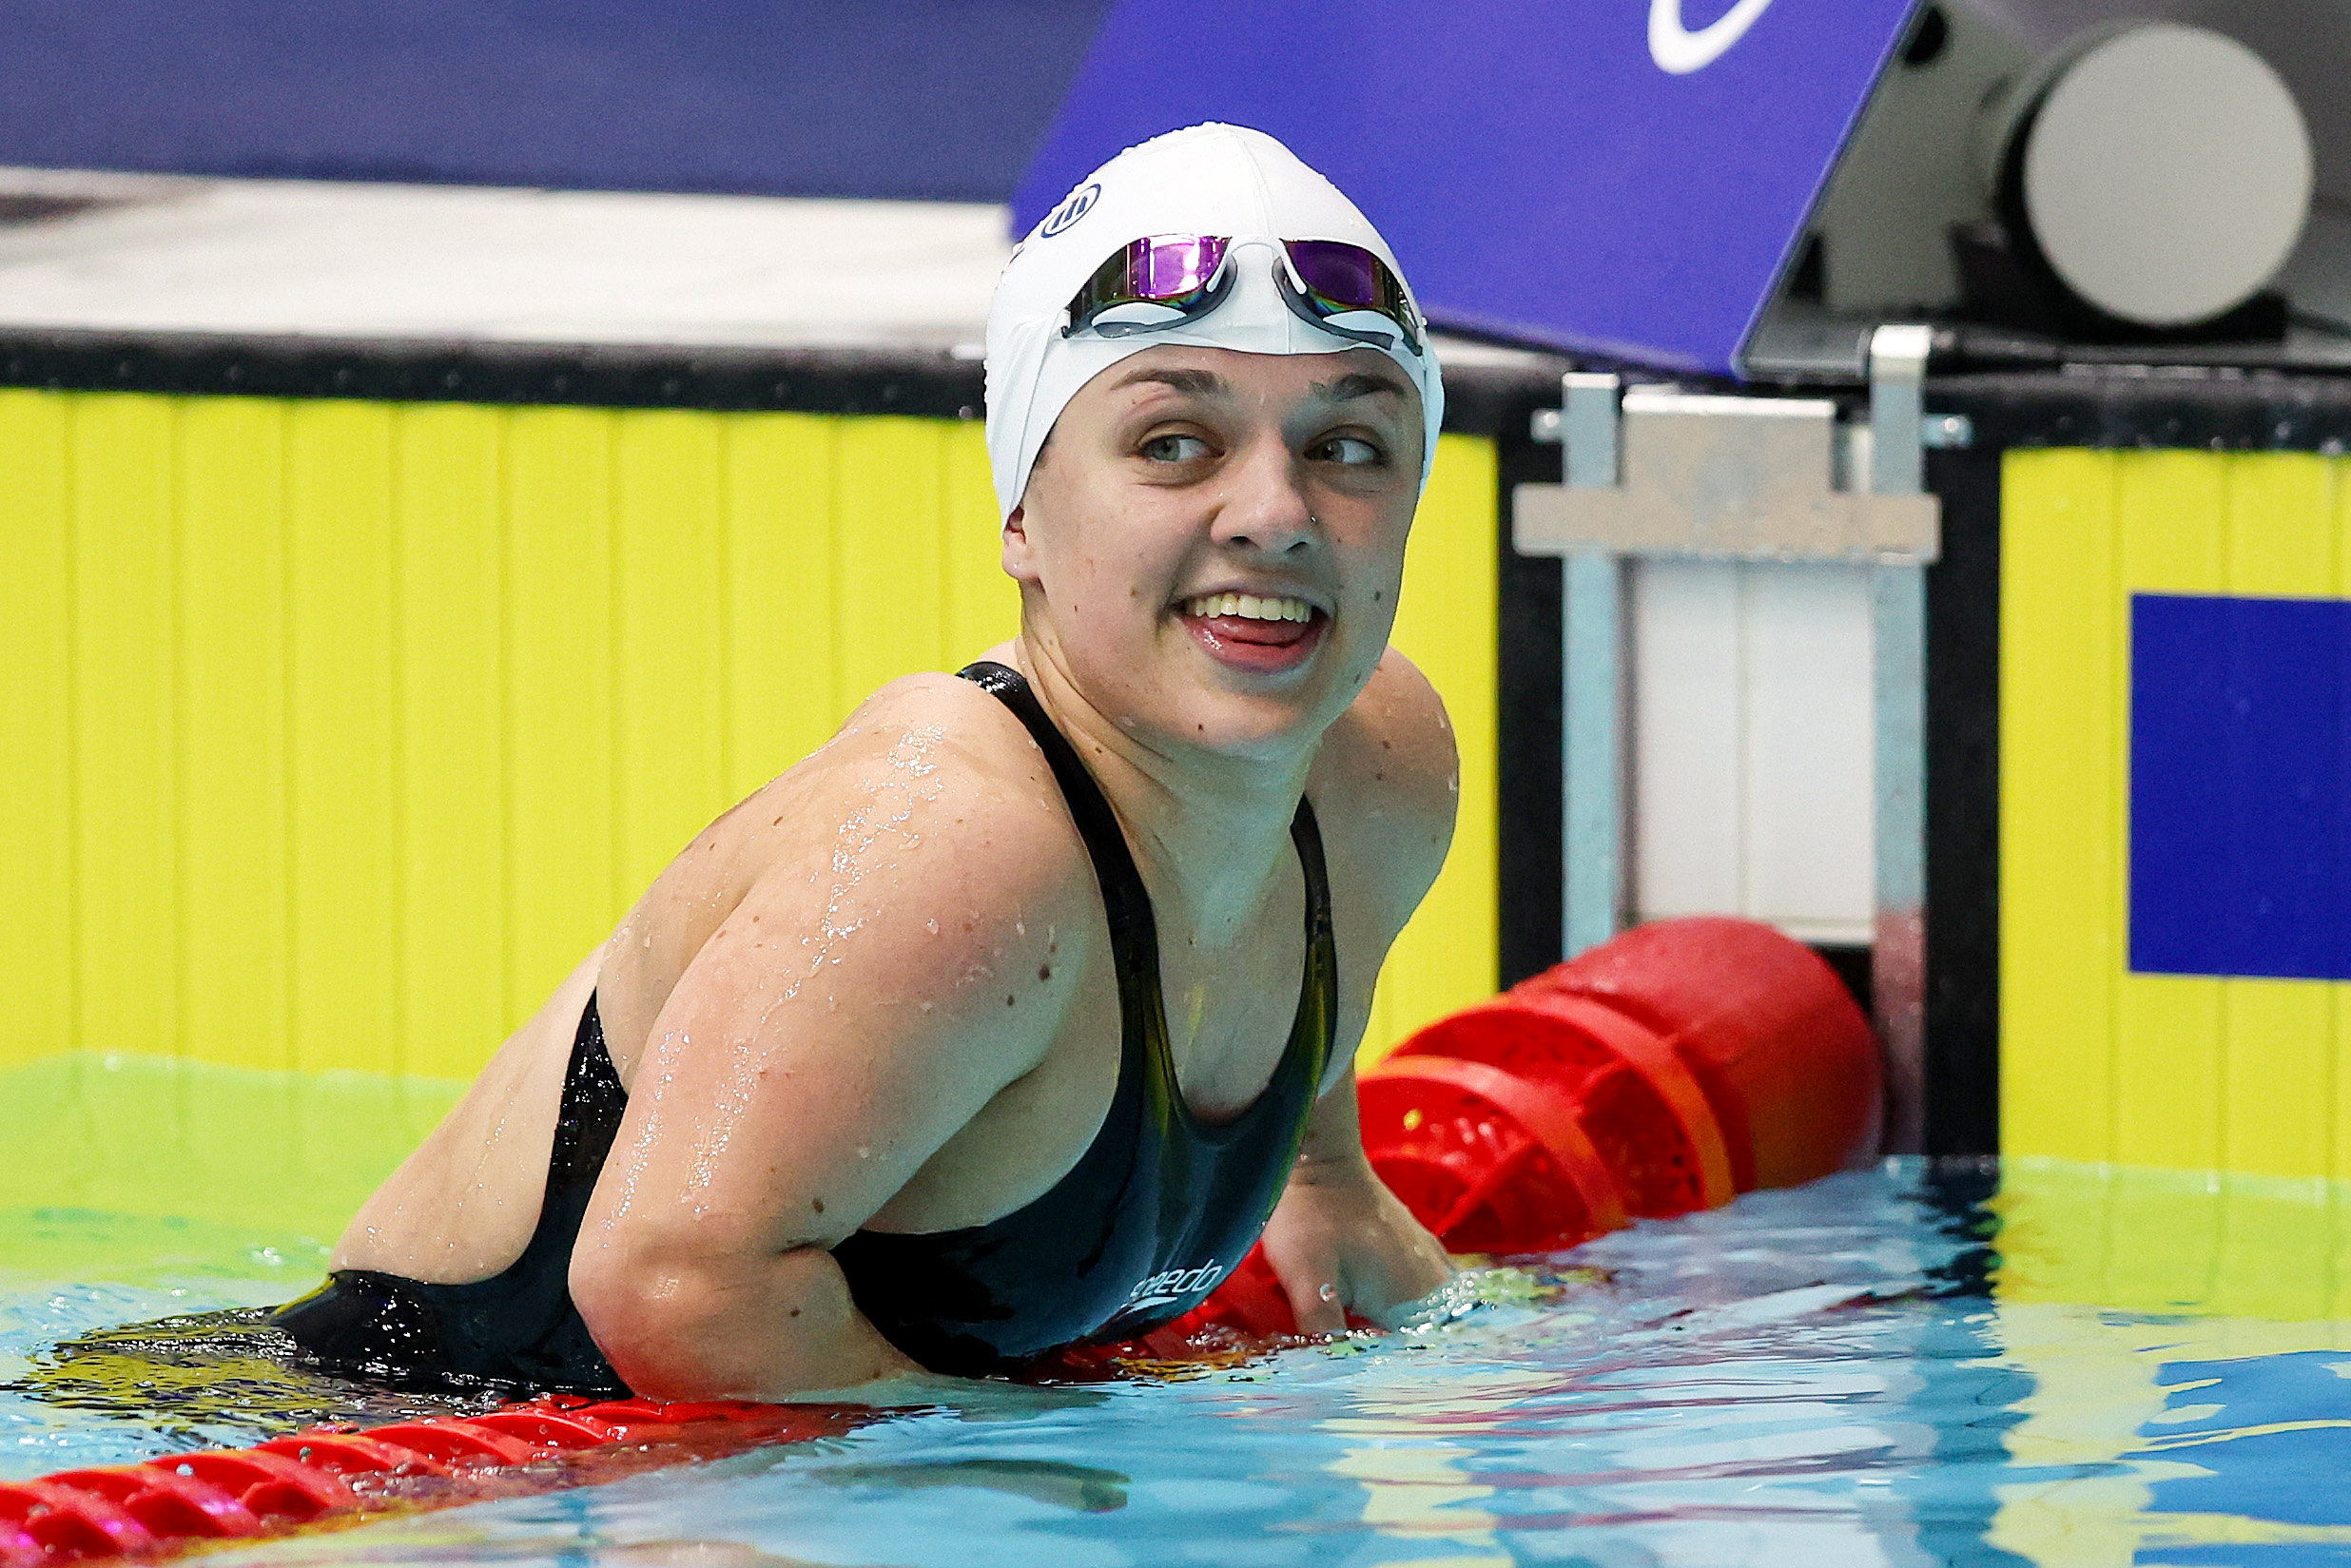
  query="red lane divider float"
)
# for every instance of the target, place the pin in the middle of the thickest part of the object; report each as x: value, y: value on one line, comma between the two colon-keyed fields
x: 1786, y: 1060
x: 1695, y: 1058
x: 340, y: 1475
x: 1660, y: 1073
x: 1490, y: 1160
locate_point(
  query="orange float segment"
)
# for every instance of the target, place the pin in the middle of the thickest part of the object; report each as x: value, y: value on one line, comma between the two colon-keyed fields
x: 1675, y: 1176
x: 457, y: 1443
x: 1491, y: 1161
x: 1630, y: 1094
x: 267, y: 1485
x: 543, y: 1427
x: 351, y: 1454
x: 48, y: 1523
x: 1675, y: 1066
x: 173, y: 1504
x: 1776, y: 1041
x: 331, y: 1475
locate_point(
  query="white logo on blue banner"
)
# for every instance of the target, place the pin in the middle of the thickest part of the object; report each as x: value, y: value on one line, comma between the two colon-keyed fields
x: 1679, y: 51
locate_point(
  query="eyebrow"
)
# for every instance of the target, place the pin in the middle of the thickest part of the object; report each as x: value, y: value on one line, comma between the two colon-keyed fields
x: 1359, y: 384
x: 1198, y: 383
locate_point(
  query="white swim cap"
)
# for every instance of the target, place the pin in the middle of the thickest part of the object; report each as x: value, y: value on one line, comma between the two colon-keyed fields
x: 1205, y: 180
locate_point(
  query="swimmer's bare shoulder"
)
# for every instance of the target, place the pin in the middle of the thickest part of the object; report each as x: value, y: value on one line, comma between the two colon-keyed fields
x: 885, y: 973
x: 1385, y: 786
x: 928, y: 768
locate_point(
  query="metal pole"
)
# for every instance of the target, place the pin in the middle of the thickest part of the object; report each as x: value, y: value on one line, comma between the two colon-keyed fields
x: 1591, y: 684
x: 1898, y: 637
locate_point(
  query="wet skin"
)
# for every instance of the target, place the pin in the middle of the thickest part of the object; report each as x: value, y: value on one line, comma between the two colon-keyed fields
x: 879, y: 993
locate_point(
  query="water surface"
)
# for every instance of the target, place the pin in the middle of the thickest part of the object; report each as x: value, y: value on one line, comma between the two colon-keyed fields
x: 1900, y: 1367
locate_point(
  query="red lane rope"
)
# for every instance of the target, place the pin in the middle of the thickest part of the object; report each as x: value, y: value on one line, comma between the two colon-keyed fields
x: 340, y: 1475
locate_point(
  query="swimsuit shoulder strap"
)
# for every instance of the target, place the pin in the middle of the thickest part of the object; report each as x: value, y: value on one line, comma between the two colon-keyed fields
x: 1134, y: 932
x: 1314, y: 1030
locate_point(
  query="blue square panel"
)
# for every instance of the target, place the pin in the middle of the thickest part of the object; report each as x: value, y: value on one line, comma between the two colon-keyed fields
x: 2240, y: 786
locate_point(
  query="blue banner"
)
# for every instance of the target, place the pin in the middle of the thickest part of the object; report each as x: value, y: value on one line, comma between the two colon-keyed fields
x: 940, y: 100
x: 1621, y: 177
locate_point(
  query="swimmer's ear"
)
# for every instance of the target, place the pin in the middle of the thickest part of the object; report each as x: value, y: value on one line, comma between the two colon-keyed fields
x: 1020, y: 561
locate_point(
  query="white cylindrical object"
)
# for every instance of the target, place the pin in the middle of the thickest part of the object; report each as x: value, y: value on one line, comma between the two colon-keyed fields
x: 2166, y: 173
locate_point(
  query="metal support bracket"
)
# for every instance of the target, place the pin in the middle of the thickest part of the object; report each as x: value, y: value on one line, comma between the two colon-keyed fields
x: 1592, y: 683
x: 1899, y: 649
x: 1655, y: 472
x: 1737, y: 478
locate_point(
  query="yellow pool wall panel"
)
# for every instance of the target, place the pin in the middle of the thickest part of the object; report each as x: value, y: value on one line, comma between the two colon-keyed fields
x: 337, y: 732
x: 1447, y: 623
x: 2147, y: 1239
x: 2098, y: 1064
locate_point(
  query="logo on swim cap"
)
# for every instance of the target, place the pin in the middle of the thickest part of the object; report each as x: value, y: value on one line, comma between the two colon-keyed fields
x: 1074, y: 207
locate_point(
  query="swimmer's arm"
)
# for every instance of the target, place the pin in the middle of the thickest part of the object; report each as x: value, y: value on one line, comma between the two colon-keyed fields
x: 1339, y: 1240
x: 790, y: 1087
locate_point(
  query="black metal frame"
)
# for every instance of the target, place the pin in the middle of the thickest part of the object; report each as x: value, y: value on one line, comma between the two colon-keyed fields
x: 1962, y: 1089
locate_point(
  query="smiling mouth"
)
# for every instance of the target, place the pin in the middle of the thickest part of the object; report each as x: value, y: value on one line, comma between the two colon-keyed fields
x: 1264, y: 633
x: 1249, y: 606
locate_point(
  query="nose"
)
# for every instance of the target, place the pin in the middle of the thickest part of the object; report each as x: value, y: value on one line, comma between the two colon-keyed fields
x: 1265, y: 507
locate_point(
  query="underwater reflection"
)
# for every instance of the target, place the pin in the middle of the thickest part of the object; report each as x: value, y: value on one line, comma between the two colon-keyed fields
x: 1080, y: 1488
x: 688, y: 1554
x: 404, y: 1543
x: 210, y: 1378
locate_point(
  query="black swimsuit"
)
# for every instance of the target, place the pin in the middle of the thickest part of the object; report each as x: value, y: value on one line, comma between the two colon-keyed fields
x: 1156, y: 1212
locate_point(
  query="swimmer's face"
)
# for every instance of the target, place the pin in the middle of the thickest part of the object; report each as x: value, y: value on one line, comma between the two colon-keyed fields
x: 1212, y: 542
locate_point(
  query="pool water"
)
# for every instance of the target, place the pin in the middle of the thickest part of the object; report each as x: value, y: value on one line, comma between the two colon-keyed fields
x: 1908, y: 1365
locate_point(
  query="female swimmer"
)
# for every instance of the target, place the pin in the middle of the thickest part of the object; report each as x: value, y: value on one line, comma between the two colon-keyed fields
x: 1009, y: 1018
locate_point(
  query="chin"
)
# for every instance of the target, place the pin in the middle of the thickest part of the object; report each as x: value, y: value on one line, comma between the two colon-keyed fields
x: 1186, y: 698
x: 1267, y: 727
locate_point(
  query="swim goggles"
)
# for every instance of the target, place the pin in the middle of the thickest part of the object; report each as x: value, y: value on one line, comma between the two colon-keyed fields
x: 1161, y: 280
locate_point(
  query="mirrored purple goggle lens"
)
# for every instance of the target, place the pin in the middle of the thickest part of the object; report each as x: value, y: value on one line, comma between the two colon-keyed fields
x: 1343, y: 274
x: 1170, y: 266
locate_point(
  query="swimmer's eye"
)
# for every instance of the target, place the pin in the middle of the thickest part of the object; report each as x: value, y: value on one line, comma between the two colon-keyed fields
x: 1175, y: 449
x: 1350, y: 450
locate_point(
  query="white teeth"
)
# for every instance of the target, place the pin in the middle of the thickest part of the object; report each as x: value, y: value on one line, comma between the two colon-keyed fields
x: 1249, y: 606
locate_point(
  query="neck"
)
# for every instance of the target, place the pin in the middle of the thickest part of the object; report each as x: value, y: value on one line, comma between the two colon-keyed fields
x: 1208, y: 829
